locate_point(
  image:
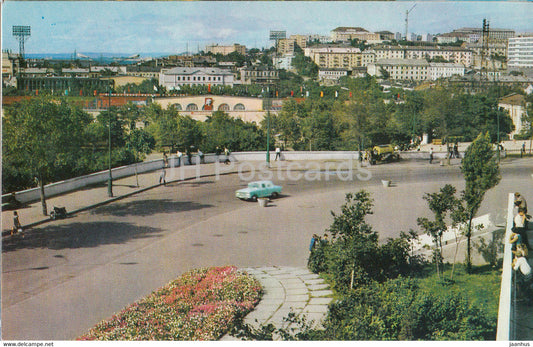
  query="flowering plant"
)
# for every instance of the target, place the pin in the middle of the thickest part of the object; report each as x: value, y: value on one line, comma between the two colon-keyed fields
x: 202, y: 304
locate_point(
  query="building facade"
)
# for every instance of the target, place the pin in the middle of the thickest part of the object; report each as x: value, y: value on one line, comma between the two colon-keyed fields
x: 284, y: 62
x: 515, y: 104
x: 179, y: 76
x: 259, y: 74
x: 520, y: 52
x: 452, y: 54
x: 225, y: 50
x: 414, y: 69
x: 335, y: 57
x: 343, y: 34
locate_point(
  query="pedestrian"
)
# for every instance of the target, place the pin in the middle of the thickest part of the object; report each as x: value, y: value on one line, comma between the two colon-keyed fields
x: 17, y: 227
x: 179, y: 155
x: 200, y: 156
x: 314, y: 242
x: 519, y: 201
x: 360, y: 157
x: 519, y: 226
x: 165, y: 159
x: 162, y: 176
x: 431, y: 155
x: 523, y: 150
x: 189, y: 156
x: 456, y: 150
x: 226, y: 153
x: 278, y: 153
x: 520, y: 262
x: 515, y: 239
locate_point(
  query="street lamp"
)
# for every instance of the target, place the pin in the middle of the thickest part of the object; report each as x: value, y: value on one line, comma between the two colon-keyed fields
x: 268, y: 127
x: 110, y: 179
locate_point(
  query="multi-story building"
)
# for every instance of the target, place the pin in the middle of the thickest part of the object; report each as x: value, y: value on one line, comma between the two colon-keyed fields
x: 285, y: 46
x: 516, y: 105
x: 300, y: 40
x: 284, y: 62
x: 7, y: 67
x: 494, y: 57
x: 520, y: 52
x: 259, y: 74
x: 452, y: 54
x: 344, y: 34
x: 335, y: 57
x: 385, y: 35
x: 143, y: 71
x: 495, y: 34
x: 195, y: 76
x: 414, y: 69
x: 331, y: 76
x: 225, y: 50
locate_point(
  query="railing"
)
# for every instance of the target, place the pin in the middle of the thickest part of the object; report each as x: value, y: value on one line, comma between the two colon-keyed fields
x: 506, y: 312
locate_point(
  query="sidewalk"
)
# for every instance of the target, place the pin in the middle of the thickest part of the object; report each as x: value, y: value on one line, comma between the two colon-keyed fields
x: 286, y: 290
x: 92, y: 196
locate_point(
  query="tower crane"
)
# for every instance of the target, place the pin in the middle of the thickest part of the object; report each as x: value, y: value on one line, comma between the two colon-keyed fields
x: 407, y: 20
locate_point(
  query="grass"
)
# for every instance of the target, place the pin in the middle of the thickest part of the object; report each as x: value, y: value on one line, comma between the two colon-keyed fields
x: 482, y: 286
x: 202, y: 304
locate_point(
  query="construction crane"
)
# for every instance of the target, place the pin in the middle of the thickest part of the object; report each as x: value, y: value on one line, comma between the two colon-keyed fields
x: 407, y: 21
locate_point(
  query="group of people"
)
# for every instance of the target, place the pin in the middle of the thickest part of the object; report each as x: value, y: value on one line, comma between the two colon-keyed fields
x: 453, y: 151
x: 519, y: 238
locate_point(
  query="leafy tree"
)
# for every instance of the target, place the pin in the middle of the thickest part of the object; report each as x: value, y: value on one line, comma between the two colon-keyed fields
x: 43, y: 139
x: 305, y: 66
x: 481, y: 172
x: 440, y: 204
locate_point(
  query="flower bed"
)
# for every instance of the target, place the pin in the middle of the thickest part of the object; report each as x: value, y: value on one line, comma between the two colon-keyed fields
x: 200, y: 305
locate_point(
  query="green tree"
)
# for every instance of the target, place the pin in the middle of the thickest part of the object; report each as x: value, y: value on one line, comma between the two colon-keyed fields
x: 42, y: 139
x: 481, y: 172
x: 440, y: 204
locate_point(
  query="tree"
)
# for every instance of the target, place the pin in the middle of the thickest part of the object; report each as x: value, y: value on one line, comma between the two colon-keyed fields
x: 42, y: 139
x: 440, y: 204
x: 481, y: 172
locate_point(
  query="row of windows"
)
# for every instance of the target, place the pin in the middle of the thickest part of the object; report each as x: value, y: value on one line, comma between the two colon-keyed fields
x: 222, y: 107
x: 194, y: 78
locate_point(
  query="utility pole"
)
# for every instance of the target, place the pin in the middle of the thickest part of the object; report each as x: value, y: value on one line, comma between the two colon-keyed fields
x: 110, y: 179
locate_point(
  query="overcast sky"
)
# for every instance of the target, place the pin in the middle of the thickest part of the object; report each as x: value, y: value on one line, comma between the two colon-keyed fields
x: 168, y: 26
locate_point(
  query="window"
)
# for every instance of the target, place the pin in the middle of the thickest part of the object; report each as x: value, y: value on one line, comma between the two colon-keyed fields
x: 239, y: 107
x: 223, y: 107
x: 192, y: 107
x: 177, y: 106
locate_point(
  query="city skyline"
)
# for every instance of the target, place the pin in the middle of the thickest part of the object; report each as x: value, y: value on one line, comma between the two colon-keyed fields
x: 143, y: 27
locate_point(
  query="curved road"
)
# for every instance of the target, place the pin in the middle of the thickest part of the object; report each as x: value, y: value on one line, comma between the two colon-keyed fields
x: 64, y: 277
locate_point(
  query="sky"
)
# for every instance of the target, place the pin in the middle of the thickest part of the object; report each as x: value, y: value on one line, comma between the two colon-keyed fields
x: 172, y: 26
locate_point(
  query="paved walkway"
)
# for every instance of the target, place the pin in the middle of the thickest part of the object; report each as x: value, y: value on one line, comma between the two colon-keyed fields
x: 288, y: 289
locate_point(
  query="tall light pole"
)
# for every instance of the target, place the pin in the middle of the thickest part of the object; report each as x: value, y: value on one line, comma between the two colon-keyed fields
x: 110, y: 179
x: 498, y: 135
x: 268, y: 128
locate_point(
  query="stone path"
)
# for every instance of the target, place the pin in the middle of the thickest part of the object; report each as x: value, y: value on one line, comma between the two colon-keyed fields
x: 288, y: 289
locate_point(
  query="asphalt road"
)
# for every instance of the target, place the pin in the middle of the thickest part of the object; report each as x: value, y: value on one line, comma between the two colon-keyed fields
x: 64, y: 277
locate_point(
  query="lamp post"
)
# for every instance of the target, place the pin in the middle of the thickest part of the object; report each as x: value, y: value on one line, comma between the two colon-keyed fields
x: 498, y: 135
x: 268, y: 128
x: 110, y: 179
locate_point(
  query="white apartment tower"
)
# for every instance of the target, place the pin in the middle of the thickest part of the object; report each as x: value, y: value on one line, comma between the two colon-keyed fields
x: 520, y: 52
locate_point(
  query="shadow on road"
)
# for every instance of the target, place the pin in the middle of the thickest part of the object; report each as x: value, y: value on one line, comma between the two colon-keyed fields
x: 147, y: 207
x: 78, y: 235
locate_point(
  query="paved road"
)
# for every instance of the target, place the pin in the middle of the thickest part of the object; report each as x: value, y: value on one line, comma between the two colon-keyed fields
x: 63, y: 277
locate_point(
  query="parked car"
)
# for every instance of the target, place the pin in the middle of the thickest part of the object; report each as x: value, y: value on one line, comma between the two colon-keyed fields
x: 258, y: 189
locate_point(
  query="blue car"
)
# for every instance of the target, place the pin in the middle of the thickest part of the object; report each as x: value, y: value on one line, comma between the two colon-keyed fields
x: 258, y: 189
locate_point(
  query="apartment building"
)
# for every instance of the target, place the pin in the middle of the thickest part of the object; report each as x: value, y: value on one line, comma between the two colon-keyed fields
x: 414, y: 69
x: 453, y: 54
x: 284, y: 62
x: 520, y: 52
x: 335, y: 57
x: 495, y: 34
x: 179, y: 76
x: 259, y: 74
x: 331, y: 76
x: 285, y: 46
x: 494, y: 49
x: 225, y: 50
x: 343, y: 34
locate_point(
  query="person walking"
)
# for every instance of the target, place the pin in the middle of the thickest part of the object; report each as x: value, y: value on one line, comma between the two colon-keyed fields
x: 278, y: 153
x: 431, y: 155
x: 17, y: 227
x: 179, y: 155
x: 523, y: 150
x: 314, y: 241
x: 162, y: 177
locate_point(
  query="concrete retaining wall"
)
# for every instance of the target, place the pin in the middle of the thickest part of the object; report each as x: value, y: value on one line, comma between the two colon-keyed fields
x: 124, y: 171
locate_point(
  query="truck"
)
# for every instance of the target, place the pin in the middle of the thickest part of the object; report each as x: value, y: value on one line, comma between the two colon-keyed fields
x: 384, y: 153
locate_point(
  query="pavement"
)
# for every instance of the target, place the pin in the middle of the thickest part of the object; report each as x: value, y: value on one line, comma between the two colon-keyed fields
x: 286, y: 290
